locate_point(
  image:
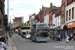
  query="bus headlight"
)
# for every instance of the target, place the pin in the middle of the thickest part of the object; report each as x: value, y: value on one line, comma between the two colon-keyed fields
x: 48, y: 32
x: 35, y: 34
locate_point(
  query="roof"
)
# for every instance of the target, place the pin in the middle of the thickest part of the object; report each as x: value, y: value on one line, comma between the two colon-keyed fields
x: 55, y: 8
x: 58, y: 12
x: 38, y: 23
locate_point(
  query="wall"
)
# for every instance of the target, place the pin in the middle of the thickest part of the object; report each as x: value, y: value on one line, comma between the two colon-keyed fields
x: 70, y: 7
x: 46, y: 19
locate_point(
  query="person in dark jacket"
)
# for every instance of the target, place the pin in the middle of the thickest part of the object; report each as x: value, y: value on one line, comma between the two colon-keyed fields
x: 61, y: 37
x: 74, y: 36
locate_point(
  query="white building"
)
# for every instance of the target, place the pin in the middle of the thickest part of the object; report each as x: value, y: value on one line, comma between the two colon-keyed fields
x: 71, y: 12
x: 70, y: 17
x: 32, y: 19
x: 46, y: 19
x: 56, y: 19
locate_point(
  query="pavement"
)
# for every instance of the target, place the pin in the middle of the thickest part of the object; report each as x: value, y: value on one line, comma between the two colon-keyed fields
x: 9, y: 43
x: 63, y: 41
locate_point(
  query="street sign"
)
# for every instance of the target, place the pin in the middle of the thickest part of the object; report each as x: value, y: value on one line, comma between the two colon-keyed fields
x: 53, y: 24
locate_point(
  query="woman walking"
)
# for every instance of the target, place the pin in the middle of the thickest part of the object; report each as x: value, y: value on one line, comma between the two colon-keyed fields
x: 59, y: 36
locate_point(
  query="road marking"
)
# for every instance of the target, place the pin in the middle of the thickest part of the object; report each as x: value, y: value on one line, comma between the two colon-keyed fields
x: 12, y: 42
x: 14, y: 48
x: 13, y: 45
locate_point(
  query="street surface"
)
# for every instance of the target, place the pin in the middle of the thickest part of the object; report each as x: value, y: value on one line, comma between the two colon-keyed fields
x: 20, y: 43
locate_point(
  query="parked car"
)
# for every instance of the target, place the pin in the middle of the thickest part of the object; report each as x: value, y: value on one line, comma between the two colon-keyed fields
x: 28, y: 36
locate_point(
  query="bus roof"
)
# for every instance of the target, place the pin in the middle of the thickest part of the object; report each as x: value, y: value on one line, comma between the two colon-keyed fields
x: 38, y: 23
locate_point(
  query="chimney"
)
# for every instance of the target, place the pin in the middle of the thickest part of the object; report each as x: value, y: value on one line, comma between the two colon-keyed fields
x: 51, y: 4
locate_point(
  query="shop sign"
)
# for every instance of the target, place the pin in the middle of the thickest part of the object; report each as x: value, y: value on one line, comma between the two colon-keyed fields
x: 70, y: 24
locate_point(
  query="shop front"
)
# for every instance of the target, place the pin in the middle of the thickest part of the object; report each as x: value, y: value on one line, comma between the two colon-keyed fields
x: 54, y: 32
x: 71, y: 27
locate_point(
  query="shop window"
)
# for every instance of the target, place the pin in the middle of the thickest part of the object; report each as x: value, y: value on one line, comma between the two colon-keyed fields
x: 67, y: 16
x: 72, y: 12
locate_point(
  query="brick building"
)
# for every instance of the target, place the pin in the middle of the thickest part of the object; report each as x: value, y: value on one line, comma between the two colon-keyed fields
x: 63, y: 12
x: 42, y: 13
x: 17, y: 21
x: 2, y: 6
x: 36, y: 20
x: 46, y: 18
x: 31, y: 19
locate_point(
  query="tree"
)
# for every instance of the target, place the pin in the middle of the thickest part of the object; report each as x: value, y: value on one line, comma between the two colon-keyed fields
x: 19, y: 26
x: 25, y: 24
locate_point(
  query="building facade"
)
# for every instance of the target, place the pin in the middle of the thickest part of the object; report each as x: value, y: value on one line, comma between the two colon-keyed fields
x: 17, y: 21
x: 70, y: 9
x: 46, y: 19
x: 36, y: 20
x: 2, y: 6
x: 50, y: 16
x: 31, y: 19
x: 63, y: 13
x: 42, y: 13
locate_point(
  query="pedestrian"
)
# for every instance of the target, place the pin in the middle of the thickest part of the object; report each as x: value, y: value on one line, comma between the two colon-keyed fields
x: 3, y: 46
x: 67, y: 38
x: 74, y: 36
x: 71, y: 36
x: 10, y: 33
x: 61, y: 37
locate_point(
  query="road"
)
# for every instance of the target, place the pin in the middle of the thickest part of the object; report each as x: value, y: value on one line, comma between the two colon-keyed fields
x: 20, y: 43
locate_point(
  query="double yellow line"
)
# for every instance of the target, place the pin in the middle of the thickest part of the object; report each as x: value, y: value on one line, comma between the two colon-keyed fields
x: 13, y: 45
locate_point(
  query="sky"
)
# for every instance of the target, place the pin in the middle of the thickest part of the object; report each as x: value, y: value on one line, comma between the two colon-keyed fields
x: 18, y: 8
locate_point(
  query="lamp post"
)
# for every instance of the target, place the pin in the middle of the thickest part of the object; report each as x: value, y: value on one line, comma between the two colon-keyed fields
x: 8, y: 10
x: 66, y: 17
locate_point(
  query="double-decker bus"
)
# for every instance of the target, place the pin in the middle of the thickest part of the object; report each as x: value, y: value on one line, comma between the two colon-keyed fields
x: 39, y: 32
x: 25, y: 30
